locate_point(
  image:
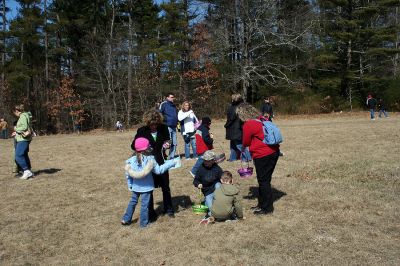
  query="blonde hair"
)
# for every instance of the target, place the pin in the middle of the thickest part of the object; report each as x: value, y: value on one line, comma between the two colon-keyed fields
x: 152, y: 117
x: 247, y: 112
x: 186, y: 102
x: 226, y: 176
x: 19, y: 108
x: 237, y: 97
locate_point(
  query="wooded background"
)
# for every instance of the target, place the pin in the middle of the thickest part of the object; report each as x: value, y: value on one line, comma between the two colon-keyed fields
x: 97, y: 61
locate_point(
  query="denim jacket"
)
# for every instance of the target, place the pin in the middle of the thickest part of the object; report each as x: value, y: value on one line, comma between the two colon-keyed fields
x: 139, y: 176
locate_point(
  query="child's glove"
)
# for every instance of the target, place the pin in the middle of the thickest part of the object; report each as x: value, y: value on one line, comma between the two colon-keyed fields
x: 130, y: 188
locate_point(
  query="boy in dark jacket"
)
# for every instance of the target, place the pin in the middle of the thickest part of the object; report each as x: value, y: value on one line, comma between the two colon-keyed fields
x: 227, y: 203
x: 204, y: 142
x: 208, y: 177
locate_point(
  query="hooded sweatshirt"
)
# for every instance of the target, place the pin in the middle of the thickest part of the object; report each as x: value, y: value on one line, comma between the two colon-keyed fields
x: 23, y: 124
x: 139, y: 176
x: 226, y: 202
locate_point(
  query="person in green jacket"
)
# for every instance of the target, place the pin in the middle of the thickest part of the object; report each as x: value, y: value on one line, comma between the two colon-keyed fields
x: 23, y: 136
x: 227, y: 202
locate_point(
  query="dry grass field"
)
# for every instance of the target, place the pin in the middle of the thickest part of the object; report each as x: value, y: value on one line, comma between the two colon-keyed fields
x: 337, y: 202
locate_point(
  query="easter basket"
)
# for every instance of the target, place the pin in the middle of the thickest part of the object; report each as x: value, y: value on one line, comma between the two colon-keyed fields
x: 245, y: 172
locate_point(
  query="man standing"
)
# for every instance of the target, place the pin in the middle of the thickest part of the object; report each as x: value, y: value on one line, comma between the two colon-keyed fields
x: 371, y: 103
x: 169, y: 111
x: 266, y: 109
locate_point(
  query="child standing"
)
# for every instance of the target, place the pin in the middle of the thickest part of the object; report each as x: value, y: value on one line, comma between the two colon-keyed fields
x: 139, y: 169
x: 204, y: 142
x: 208, y: 178
x: 227, y: 203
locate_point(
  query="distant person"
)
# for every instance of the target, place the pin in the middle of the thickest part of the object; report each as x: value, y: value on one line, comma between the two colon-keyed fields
x: 188, y: 121
x: 3, y: 129
x: 168, y: 110
x: 371, y: 104
x: 204, y: 142
x: 208, y: 178
x: 119, y: 126
x: 157, y: 134
x: 139, y: 169
x: 234, y: 131
x: 227, y: 203
x: 78, y: 128
x: 265, y: 157
x: 382, y: 108
x: 266, y: 109
x: 23, y: 136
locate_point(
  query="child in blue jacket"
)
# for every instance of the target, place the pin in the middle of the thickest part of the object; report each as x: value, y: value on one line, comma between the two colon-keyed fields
x: 139, y: 169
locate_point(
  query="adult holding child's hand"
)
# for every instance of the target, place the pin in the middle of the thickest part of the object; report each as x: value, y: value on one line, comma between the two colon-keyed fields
x: 158, y: 135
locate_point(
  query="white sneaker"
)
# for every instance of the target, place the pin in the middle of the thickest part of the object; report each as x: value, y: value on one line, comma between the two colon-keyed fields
x: 27, y: 174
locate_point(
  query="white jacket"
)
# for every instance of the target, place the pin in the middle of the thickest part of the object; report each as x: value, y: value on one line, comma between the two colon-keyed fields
x: 189, y: 119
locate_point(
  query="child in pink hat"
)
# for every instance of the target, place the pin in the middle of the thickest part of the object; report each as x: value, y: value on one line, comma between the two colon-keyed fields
x: 138, y: 172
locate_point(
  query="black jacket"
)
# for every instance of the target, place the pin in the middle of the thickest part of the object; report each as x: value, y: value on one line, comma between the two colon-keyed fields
x: 233, y: 124
x: 162, y: 136
x: 208, y: 177
x: 371, y: 103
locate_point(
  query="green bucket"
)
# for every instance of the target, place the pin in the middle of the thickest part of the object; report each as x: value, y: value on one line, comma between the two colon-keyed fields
x: 199, y: 209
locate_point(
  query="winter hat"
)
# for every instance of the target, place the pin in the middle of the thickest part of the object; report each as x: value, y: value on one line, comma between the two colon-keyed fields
x: 208, y: 156
x: 141, y: 144
x: 206, y: 120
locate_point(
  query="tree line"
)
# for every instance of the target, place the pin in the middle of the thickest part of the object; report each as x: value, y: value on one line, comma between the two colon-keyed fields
x: 94, y: 62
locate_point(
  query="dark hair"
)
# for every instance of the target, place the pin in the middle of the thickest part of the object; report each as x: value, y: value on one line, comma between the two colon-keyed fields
x: 168, y: 94
x: 206, y: 120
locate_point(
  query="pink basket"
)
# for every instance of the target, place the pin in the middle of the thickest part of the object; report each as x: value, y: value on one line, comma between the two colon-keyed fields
x: 245, y: 172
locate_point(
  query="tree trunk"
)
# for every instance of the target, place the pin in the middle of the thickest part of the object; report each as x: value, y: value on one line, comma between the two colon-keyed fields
x: 130, y: 57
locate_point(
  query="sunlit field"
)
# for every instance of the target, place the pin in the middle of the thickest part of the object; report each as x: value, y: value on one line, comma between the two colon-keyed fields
x: 336, y: 196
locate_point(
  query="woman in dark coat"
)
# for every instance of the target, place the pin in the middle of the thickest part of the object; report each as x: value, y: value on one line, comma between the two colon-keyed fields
x: 158, y: 135
x: 234, y: 131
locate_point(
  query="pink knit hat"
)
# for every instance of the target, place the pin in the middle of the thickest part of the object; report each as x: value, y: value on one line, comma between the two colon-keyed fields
x: 141, y: 144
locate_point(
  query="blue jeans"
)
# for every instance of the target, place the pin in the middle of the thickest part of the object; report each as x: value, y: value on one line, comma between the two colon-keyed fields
x: 144, y: 209
x: 21, y: 155
x: 187, y: 148
x: 209, y: 198
x: 172, y: 135
x: 196, y: 166
x: 384, y: 113
x: 372, y: 112
x: 236, y: 151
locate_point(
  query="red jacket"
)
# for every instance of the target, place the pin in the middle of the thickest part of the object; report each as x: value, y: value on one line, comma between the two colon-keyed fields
x: 203, y: 140
x: 253, y: 134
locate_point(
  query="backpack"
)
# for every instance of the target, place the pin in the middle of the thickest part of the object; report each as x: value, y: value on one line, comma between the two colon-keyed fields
x: 272, y: 133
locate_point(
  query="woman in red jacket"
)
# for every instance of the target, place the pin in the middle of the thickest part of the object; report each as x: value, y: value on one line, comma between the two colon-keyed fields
x: 264, y: 156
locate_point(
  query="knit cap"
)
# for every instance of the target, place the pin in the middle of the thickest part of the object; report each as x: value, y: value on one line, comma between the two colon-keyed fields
x: 141, y: 144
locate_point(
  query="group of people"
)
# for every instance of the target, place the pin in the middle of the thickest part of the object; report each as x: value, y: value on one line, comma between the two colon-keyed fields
x: 373, y: 104
x: 148, y: 168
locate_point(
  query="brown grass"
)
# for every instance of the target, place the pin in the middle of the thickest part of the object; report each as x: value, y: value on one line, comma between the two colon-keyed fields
x: 337, y: 189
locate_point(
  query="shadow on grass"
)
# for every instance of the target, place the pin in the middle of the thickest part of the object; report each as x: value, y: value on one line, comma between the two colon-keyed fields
x: 179, y: 201
x: 253, y: 194
x: 48, y: 171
